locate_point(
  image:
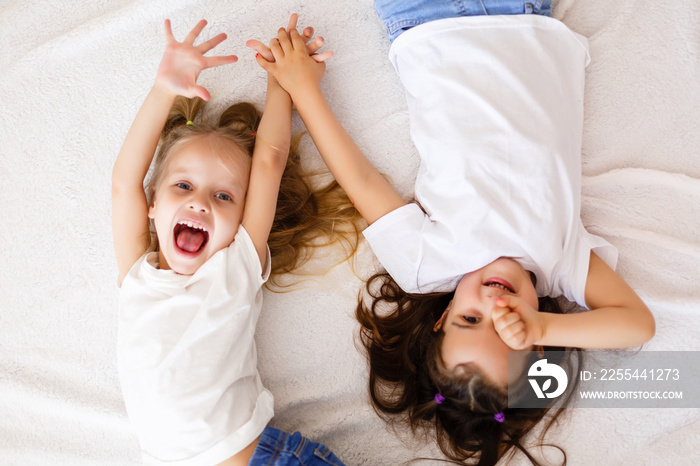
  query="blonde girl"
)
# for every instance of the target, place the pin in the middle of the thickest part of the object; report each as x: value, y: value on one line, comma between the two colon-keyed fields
x: 191, y: 293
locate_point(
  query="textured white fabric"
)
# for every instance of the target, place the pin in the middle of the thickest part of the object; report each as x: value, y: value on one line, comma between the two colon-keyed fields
x: 72, y: 79
x: 496, y: 112
x: 187, y: 358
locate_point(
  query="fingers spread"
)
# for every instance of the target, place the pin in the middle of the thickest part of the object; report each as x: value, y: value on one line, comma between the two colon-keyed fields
x: 168, y: 31
x: 292, y: 22
x: 264, y: 64
x: 218, y: 61
x: 199, y: 91
x: 313, y: 47
x: 261, y: 49
x: 211, y: 43
x: 194, y: 33
x: 321, y: 57
x: 307, y: 34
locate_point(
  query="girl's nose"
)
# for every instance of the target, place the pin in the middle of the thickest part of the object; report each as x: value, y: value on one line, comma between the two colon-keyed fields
x: 198, y: 204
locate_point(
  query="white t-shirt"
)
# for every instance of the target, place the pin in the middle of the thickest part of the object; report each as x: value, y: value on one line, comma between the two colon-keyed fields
x: 187, y: 358
x: 496, y: 113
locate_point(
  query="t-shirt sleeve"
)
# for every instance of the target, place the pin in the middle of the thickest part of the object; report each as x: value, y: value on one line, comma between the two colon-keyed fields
x: 244, y: 248
x: 401, y: 241
x: 573, y: 284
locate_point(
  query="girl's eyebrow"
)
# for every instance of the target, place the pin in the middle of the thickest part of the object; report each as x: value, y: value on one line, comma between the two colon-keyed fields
x: 181, y: 169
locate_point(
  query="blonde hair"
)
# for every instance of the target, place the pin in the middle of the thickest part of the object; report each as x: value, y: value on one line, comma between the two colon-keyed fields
x: 307, y: 216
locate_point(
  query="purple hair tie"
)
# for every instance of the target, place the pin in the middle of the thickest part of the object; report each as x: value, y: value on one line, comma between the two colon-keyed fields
x: 439, y: 398
x: 500, y: 417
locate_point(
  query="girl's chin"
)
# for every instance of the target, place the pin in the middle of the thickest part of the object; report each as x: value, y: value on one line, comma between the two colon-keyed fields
x: 182, y: 262
x: 184, y: 270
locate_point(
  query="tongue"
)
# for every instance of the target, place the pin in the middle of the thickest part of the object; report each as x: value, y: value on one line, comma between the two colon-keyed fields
x: 190, y: 240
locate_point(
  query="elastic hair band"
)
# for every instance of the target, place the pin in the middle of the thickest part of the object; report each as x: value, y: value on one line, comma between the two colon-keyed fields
x: 439, y: 398
x: 252, y: 135
x: 190, y: 122
x: 500, y: 417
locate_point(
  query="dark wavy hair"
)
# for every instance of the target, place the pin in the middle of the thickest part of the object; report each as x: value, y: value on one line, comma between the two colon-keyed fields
x: 307, y: 216
x: 406, y: 371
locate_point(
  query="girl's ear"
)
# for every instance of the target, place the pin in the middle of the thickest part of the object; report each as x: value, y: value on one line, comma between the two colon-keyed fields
x: 438, y: 324
x: 152, y: 205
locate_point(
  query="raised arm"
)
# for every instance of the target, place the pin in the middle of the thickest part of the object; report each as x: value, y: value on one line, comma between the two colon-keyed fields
x: 271, y: 148
x: 617, y: 318
x: 300, y: 75
x: 269, y: 160
x: 177, y: 74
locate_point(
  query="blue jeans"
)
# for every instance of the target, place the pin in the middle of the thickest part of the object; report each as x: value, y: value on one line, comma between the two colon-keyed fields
x: 279, y: 448
x: 401, y: 15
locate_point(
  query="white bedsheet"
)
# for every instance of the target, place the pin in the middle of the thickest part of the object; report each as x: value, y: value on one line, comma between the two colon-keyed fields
x: 72, y: 77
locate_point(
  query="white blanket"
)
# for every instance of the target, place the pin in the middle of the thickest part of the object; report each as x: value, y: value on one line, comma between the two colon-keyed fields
x: 72, y: 77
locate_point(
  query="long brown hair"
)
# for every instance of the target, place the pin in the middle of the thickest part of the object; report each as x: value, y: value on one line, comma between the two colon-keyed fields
x: 307, y: 216
x: 406, y: 371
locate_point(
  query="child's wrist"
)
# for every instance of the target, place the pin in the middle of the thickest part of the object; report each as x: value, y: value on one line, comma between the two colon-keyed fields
x: 163, y: 91
x: 306, y: 91
x: 164, y: 85
x: 273, y: 84
x: 545, y: 325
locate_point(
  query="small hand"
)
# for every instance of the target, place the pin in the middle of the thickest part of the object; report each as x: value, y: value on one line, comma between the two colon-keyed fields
x: 265, y: 52
x: 516, y: 322
x: 183, y: 61
x: 293, y: 68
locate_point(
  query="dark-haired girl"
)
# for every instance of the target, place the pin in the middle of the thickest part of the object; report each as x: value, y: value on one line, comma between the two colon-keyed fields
x: 495, y: 99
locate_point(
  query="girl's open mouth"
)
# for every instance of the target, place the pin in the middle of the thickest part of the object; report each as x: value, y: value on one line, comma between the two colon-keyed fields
x: 190, y: 238
x: 499, y: 283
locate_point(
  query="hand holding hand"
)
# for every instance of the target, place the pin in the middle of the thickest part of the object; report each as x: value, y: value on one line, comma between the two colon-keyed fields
x: 313, y: 47
x: 183, y: 61
x: 293, y: 67
x: 517, y: 323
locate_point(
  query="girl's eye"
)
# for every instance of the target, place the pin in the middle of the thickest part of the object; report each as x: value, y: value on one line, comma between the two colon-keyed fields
x: 224, y: 197
x: 471, y: 319
x: 183, y: 185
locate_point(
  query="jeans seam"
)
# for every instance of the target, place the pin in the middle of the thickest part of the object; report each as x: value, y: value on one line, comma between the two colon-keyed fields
x: 278, y: 448
x: 462, y: 8
x: 324, y: 453
x: 396, y: 25
x: 300, y: 449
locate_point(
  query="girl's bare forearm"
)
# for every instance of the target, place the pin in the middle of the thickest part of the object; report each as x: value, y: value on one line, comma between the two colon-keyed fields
x: 369, y: 191
x: 603, y: 328
x: 141, y: 141
x: 274, y: 130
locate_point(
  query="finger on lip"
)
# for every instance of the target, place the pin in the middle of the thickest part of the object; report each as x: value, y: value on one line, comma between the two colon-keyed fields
x: 501, y: 303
